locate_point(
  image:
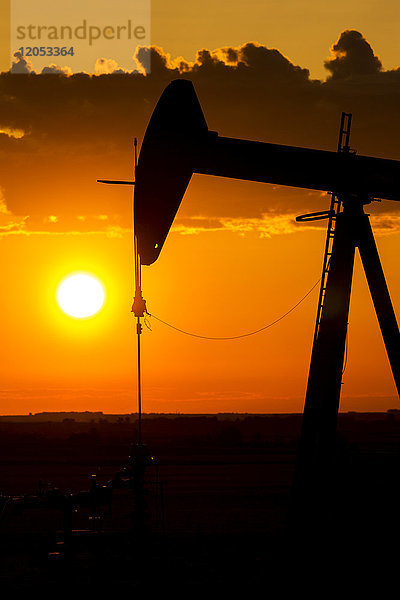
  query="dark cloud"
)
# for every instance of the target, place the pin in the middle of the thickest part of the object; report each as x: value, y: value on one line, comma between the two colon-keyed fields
x: 271, y: 62
x: 353, y: 56
x: 80, y: 127
x: 56, y: 70
x: 231, y: 54
x: 20, y: 64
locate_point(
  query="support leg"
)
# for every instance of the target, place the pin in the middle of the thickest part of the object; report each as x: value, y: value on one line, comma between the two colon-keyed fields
x: 312, y: 484
x: 380, y: 296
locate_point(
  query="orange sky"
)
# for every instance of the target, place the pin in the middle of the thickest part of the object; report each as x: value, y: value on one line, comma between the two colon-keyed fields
x: 235, y: 260
x: 213, y: 284
x: 300, y: 30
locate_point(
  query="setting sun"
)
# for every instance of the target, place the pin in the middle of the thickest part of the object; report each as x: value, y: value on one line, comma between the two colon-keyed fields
x: 80, y: 295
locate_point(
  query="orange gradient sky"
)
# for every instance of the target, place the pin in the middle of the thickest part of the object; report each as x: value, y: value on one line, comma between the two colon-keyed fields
x: 235, y: 259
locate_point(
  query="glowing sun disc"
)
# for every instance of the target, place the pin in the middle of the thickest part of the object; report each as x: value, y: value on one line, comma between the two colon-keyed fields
x: 80, y: 295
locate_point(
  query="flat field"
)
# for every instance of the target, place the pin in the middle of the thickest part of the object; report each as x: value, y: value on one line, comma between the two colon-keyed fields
x: 225, y: 481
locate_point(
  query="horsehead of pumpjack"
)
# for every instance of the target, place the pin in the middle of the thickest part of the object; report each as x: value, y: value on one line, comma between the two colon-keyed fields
x: 178, y: 143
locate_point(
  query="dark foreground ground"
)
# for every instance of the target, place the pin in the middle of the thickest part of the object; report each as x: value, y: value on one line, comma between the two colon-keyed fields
x: 220, y: 521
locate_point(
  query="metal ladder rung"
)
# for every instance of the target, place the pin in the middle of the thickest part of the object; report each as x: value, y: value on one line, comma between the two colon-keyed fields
x: 343, y: 146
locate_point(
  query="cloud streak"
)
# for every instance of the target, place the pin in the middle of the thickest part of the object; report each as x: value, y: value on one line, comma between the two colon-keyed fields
x: 265, y: 226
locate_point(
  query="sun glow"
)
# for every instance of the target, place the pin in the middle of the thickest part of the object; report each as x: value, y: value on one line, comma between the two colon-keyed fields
x: 80, y: 295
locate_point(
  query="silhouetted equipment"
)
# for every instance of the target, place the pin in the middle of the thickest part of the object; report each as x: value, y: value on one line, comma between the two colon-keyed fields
x: 96, y: 510
x: 140, y: 458
x: 178, y: 143
x: 115, y: 182
x: 139, y: 304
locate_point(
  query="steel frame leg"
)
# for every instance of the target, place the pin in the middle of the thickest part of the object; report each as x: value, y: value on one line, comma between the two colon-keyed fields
x: 313, y: 473
x: 313, y: 490
x: 380, y: 296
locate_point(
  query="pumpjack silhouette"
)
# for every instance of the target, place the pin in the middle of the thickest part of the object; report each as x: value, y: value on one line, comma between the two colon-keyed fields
x: 177, y: 144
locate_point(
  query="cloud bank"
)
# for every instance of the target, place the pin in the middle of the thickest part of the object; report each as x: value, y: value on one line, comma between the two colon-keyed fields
x: 76, y: 128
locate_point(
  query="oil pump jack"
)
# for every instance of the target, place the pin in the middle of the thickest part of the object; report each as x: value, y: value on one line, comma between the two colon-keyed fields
x: 177, y: 144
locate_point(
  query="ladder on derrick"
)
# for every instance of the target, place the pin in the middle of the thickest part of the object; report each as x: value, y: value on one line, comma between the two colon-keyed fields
x: 334, y: 210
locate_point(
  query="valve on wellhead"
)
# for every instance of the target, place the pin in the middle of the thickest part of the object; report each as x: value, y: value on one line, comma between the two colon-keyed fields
x: 139, y: 304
